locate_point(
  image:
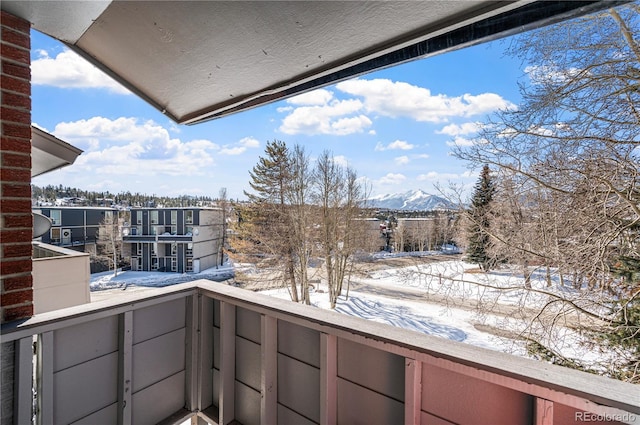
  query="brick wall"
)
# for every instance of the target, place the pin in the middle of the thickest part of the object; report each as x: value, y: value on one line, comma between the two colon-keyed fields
x: 15, y: 170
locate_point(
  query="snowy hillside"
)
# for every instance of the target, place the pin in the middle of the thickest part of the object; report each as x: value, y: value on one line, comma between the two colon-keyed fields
x: 413, y: 200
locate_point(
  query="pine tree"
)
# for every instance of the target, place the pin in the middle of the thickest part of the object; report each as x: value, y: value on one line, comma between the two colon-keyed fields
x: 478, y: 237
x: 270, y: 176
x: 270, y: 180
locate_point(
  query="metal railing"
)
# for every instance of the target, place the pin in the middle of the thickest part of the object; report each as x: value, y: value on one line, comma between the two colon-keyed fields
x: 219, y: 354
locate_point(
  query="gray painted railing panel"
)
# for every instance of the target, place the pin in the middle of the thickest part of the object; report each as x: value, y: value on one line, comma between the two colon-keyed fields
x: 190, y: 350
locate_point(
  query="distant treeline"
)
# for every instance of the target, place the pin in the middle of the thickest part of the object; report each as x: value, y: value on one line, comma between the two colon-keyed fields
x: 50, y: 194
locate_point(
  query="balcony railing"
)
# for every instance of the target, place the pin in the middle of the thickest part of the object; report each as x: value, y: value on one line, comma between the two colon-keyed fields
x: 219, y: 354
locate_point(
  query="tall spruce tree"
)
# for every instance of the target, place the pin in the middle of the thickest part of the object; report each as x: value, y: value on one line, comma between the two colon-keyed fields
x: 270, y: 180
x: 478, y: 237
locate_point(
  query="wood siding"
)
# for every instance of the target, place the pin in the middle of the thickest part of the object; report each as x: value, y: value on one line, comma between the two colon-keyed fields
x: 223, y: 354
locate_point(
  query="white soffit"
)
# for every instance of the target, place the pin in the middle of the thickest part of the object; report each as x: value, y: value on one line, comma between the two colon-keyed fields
x: 197, y: 60
x: 49, y: 153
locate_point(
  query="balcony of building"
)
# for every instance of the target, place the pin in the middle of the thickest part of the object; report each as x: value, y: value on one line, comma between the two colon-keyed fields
x: 217, y: 354
x: 60, y: 277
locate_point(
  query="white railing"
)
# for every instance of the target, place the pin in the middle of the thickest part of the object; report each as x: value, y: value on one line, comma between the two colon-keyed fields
x: 218, y: 354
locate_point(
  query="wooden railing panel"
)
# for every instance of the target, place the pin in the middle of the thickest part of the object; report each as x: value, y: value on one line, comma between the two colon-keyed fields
x: 247, y: 404
x: 464, y: 399
x: 299, y: 387
x: 248, y: 324
x: 83, y: 389
x: 159, y: 401
x: 158, y: 319
x: 108, y: 415
x: 85, y: 341
x: 377, y: 370
x: 299, y: 342
x: 158, y: 358
x: 363, y: 372
x: 206, y: 354
x: 288, y: 416
x: 248, y: 363
x: 358, y: 405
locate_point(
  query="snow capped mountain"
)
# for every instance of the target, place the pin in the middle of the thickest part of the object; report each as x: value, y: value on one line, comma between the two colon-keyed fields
x: 413, y: 200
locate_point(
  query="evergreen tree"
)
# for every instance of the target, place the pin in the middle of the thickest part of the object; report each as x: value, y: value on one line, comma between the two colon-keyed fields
x: 270, y: 180
x: 478, y: 237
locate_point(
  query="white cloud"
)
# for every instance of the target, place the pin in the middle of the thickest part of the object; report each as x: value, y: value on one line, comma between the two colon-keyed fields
x: 397, y: 145
x: 539, y: 74
x: 332, y: 118
x: 458, y: 130
x: 399, y: 99
x: 68, y: 70
x: 249, y: 142
x: 461, y: 141
x: 125, y: 146
x: 401, y: 160
x: 391, y: 179
x: 316, y: 97
x: 341, y: 160
x: 240, y: 147
x: 435, y: 176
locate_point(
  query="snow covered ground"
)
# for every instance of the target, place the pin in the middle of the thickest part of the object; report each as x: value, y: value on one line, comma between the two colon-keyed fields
x: 449, y: 299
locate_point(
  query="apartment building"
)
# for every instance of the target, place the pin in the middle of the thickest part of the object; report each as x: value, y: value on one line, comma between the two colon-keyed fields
x: 182, y: 240
x: 74, y: 227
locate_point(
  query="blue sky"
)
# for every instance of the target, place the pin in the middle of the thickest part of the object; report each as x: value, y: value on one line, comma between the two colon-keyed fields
x: 395, y: 126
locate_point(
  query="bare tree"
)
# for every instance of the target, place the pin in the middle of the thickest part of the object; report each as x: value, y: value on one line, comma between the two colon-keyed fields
x: 571, y: 152
x: 299, y: 211
x: 339, y: 196
x: 109, y: 241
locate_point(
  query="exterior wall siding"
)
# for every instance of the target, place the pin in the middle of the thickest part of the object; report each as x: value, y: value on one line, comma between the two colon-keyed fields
x: 15, y: 170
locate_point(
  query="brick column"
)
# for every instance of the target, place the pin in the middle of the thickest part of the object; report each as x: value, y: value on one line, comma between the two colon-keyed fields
x: 16, y: 229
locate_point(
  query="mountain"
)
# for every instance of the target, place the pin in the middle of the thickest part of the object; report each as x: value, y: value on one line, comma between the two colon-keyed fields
x: 413, y: 200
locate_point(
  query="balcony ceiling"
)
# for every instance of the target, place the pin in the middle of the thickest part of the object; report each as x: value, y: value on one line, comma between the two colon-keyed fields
x: 198, y: 60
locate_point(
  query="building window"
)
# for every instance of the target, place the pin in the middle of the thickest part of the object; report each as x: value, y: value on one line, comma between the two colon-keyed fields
x: 108, y: 215
x: 139, y: 248
x: 188, y: 217
x: 55, y: 235
x: 174, y: 248
x: 189, y: 251
x: 153, y: 215
x: 174, y: 217
x: 189, y: 265
x: 174, y: 264
x: 139, y: 263
x: 154, y: 263
x: 56, y: 220
x: 138, y: 217
x: 154, y: 249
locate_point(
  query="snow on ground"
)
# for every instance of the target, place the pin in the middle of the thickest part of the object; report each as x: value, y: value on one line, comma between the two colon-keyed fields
x: 433, y: 282
x: 431, y: 319
x: 105, y: 285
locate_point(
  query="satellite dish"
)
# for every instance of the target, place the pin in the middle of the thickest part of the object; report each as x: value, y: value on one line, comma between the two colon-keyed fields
x: 41, y: 225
